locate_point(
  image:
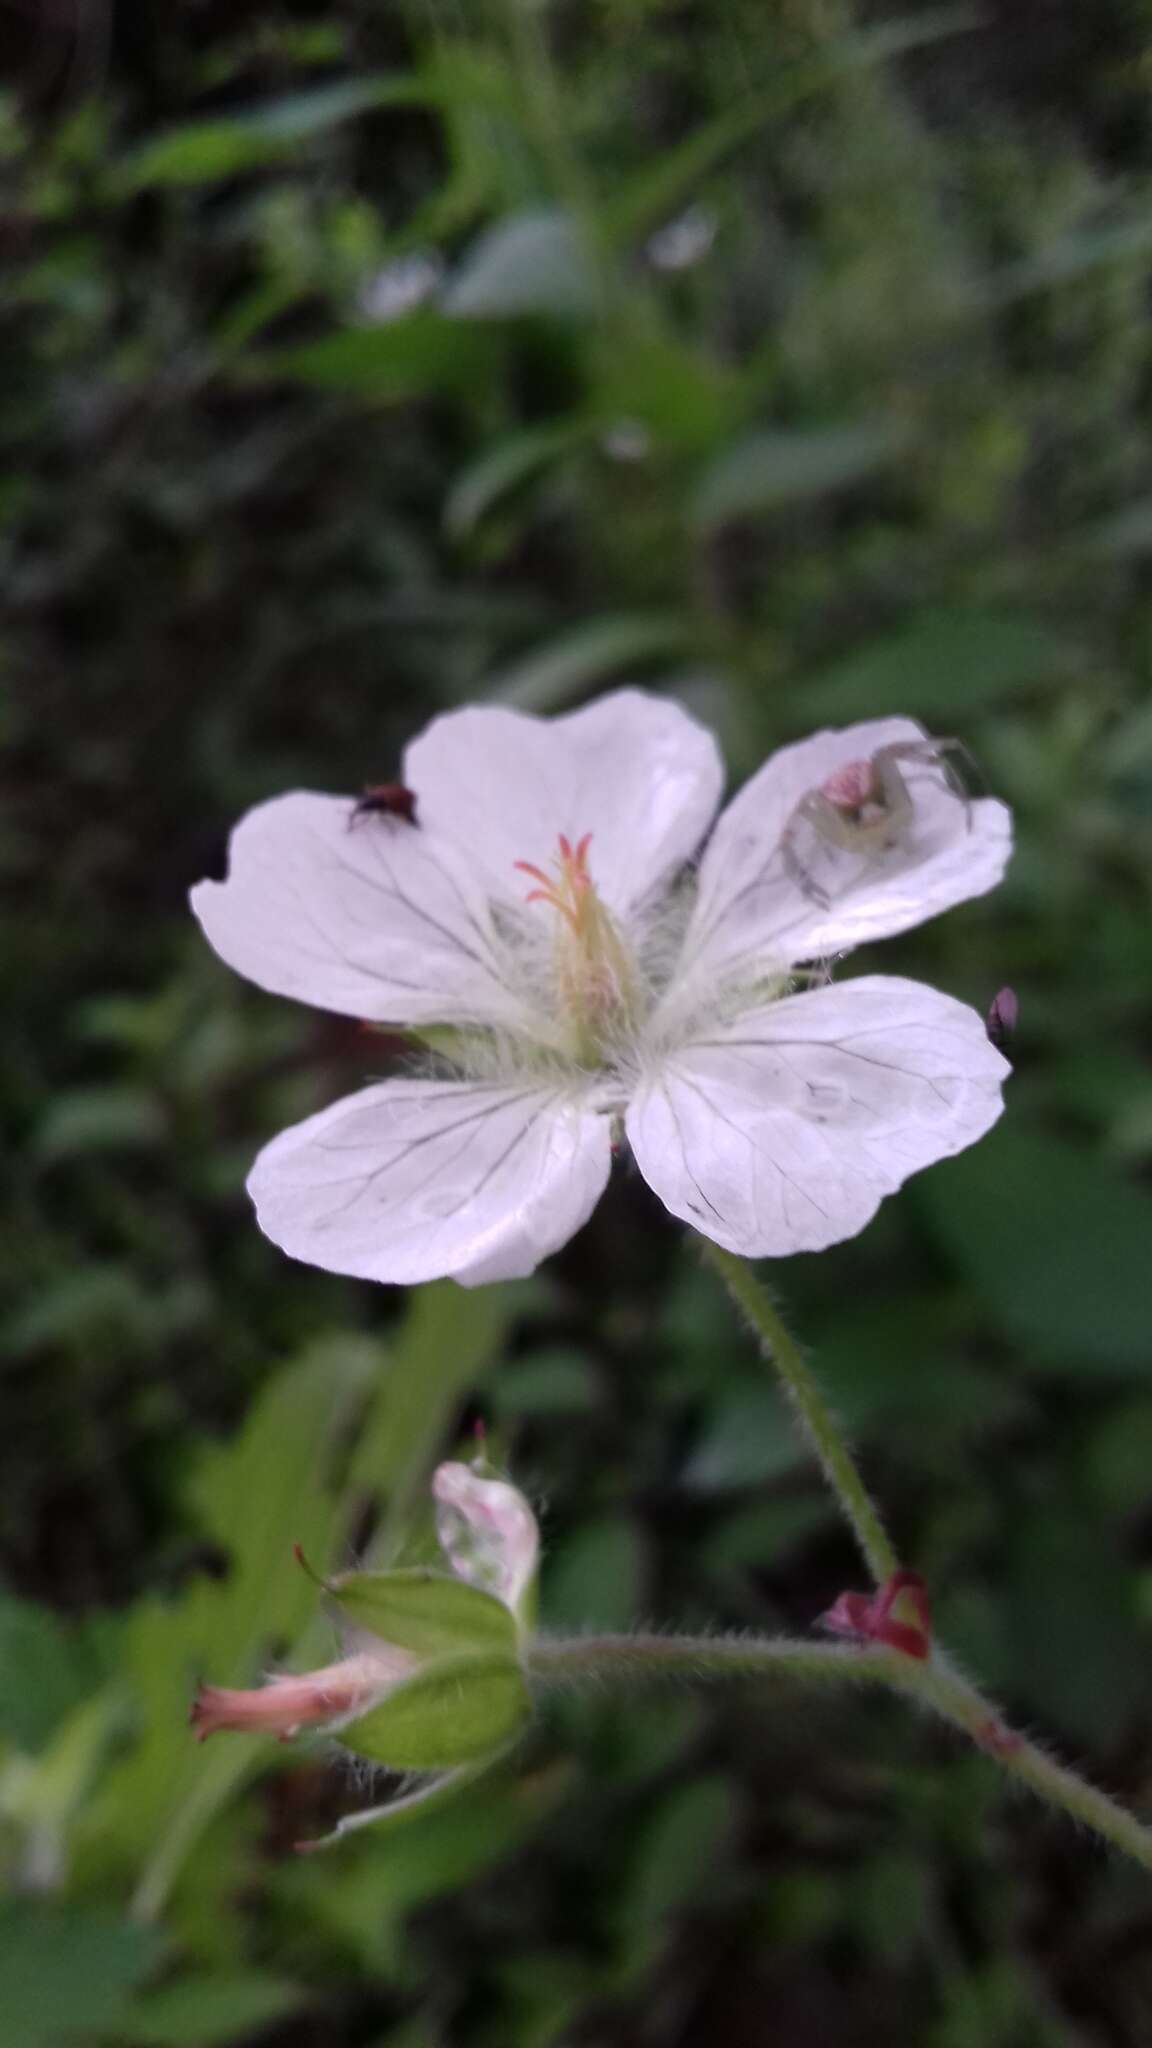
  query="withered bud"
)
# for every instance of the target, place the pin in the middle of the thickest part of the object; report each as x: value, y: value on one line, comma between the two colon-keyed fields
x: 287, y: 1703
x: 896, y: 1615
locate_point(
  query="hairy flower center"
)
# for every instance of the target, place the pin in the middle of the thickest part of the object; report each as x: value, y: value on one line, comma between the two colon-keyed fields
x: 594, y: 973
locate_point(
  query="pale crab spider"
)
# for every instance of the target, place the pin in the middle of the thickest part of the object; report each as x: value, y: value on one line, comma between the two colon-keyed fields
x: 866, y: 807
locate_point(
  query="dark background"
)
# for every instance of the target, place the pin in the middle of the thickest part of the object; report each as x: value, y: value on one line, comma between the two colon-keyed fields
x: 868, y: 432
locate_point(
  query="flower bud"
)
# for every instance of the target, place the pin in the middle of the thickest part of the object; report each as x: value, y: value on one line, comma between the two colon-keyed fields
x: 434, y: 1680
x: 487, y: 1532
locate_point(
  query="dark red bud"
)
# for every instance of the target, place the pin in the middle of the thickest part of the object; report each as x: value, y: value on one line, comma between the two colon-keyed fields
x: 897, y: 1615
x: 1003, y: 1013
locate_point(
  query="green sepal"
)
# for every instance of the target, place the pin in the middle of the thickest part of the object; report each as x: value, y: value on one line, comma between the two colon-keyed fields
x: 428, y: 1798
x: 425, y: 1611
x: 461, y: 1709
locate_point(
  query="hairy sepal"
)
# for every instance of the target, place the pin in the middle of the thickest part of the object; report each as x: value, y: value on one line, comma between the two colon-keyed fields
x: 460, y: 1710
x: 427, y: 1612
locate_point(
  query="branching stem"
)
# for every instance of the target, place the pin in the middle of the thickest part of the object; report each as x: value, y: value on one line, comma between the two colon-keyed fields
x: 607, y: 1660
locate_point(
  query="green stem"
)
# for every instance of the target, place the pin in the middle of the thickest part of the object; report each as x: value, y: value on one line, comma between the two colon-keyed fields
x: 810, y: 1408
x: 931, y: 1684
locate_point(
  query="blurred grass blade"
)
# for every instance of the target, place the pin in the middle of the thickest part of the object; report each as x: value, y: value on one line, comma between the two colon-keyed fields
x: 449, y: 1337
x: 659, y: 190
x: 950, y: 660
x: 558, y: 671
x: 1072, y: 256
x: 502, y: 468
x: 785, y: 465
x: 203, y: 151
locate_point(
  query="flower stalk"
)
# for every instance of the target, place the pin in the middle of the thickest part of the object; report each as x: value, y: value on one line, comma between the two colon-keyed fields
x: 809, y: 1407
x: 931, y: 1684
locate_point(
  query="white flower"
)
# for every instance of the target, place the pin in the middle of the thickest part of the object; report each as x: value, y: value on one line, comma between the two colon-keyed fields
x: 400, y: 286
x: 684, y: 241
x: 541, y: 905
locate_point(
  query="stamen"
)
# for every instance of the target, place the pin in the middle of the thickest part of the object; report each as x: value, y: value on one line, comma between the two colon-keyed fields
x: 594, y: 973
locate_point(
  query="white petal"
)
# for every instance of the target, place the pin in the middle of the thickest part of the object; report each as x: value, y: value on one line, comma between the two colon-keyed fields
x: 370, y: 916
x: 783, y: 1130
x: 637, y: 772
x: 772, y: 887
x: 411, y: 1180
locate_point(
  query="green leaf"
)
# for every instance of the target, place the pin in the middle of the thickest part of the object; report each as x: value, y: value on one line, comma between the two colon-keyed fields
x: 209, y: 2012
x: 552, y: 1382
x: 253, y: 1497
x: 535, y: 261
x: 596, y: 1577
x: 785, y: 465
x: 748, y: 1439
x: 460, y: 1709
x: 204, y: 151
x: 684, y: 1837
x: 951, y: 660
x: 684, y: 398
x: 66, y: 1974
x: 87, y: 1120
x: 45, y: 1673
x: 403, y: 359
x: 426, y: 1612
x: 1058, y: 1248
x: 560, y: 669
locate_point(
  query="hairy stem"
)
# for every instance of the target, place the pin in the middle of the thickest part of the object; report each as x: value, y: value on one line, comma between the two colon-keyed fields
x: 809, y: 1407
x: 611, y: 1659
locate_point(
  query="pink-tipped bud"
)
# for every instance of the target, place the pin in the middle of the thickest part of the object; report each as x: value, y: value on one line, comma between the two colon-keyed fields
x: 284, y: 1705
x: 486, y: 1530
x: 1003, y: 1015
x: 897, y: 1616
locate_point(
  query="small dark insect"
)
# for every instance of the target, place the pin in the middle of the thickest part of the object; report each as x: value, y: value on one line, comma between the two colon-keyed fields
x: 385, y: 800
x: 1003, y: 1011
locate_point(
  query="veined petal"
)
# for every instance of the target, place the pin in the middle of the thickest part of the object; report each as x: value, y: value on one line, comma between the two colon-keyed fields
x: 774, y: 887
x: 784, y: 1129
x: 369, y: 916
x: 412, y: 1180
x: 635, y: 772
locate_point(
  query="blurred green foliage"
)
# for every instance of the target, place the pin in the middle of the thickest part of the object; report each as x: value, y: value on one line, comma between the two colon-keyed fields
x: 358, y: 362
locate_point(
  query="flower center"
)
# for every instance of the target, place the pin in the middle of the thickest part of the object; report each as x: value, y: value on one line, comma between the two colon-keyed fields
x: 595, y: 975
